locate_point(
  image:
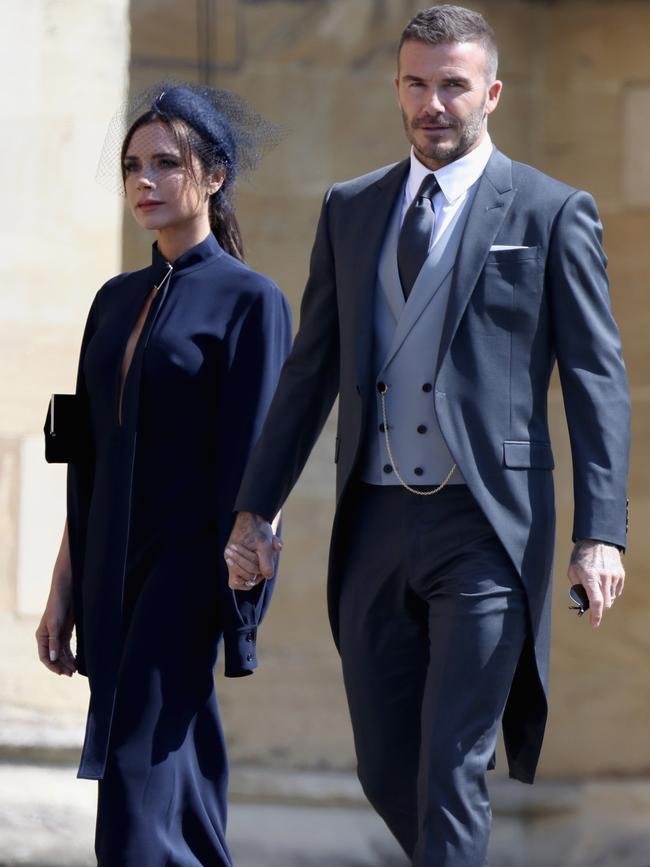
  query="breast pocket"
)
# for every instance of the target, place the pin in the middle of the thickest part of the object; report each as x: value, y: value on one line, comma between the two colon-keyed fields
x: 511, y: 281
x: 506, y: 257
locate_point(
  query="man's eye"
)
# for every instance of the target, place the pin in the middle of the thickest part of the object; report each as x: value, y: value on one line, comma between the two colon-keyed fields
x: 416, y: 84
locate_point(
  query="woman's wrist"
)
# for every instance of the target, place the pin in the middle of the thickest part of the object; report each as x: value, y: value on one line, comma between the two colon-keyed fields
x: 62, y: 582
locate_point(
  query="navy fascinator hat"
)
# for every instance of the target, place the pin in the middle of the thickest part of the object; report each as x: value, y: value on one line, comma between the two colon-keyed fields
x: 204, y: 117
x: 230, y: 132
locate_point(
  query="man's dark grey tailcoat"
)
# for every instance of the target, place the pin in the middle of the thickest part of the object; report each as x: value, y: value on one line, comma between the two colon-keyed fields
x: 511, y: 315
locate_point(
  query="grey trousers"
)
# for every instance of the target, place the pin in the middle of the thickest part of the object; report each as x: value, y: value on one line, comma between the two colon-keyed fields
x: 433, y: 618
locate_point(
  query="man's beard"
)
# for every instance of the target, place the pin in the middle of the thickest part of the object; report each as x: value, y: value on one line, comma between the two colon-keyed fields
x: 446, y: 152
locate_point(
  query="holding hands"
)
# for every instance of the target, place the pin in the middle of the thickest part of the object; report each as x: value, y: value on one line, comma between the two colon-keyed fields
x: 250, y: 551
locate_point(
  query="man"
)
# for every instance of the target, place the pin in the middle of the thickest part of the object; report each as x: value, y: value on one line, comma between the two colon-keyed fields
x: 442, y: 289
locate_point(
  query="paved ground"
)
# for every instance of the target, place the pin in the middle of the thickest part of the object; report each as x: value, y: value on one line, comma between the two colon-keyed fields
x: 281, y: 817
x: 319, y: 820
x: 46, y: 819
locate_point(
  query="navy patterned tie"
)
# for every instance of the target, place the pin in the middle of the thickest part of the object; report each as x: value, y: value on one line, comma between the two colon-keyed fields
x: 415, y: 234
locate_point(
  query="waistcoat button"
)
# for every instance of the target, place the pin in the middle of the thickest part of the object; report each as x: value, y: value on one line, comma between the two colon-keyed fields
x: 418, y: 471
x: 422, y: 428
x: 427, y: 387
x: 388, y: 468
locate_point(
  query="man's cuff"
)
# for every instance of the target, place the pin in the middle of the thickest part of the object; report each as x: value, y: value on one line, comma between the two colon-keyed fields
x: 240, y: 647
x: 263, y: 510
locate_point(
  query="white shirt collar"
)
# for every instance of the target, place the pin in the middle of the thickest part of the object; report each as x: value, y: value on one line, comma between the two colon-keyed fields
x: 456, y: 177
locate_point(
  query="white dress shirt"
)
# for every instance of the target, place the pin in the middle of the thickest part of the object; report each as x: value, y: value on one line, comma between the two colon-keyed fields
x: 455, y: 179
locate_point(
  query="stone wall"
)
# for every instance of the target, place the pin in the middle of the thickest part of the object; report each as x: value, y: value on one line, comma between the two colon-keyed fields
x: 575, y: 104
x: 64, y: 68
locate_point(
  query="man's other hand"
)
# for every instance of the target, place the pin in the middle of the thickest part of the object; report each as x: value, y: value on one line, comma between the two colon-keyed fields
x: 250, y: 551
x: 598, y: 567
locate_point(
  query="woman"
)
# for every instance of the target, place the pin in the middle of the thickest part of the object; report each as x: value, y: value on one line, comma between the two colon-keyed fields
x: 178, y: 364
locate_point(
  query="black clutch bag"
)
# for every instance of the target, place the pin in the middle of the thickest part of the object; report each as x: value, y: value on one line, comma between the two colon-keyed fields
x: 67, y: 430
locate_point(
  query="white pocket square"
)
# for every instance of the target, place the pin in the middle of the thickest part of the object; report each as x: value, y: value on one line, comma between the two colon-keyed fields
x: 506, y: 247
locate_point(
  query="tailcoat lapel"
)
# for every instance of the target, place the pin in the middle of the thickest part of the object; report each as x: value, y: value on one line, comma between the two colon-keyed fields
x: 366, y: 237
x: 493, y: 199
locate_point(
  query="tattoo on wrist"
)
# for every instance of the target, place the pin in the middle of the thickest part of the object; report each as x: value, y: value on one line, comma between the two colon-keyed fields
x: 591, y: 555
x: 253, y: 528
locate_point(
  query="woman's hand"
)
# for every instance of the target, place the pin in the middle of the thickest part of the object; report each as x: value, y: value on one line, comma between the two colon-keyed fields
x: 55, y: 631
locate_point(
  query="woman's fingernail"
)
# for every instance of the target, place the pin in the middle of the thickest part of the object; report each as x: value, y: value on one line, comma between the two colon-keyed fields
x: 53, y: 655
x: 229, y: 561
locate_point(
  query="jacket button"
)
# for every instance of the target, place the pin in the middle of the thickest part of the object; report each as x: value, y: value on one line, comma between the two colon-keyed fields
x: 249, y: 637
x: 382, y: 427
x: 381, y: 387
x: 418, y: 471
x: 388, y: 468
x: 427, y: 387
x: 422, y: 428
x: 249, y: 657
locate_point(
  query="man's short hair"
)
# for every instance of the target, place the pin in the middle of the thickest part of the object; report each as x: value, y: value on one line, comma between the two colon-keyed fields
x: 443, y: 24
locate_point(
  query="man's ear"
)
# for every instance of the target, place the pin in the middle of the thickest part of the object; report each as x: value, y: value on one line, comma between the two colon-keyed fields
x: 493, y: 94
x: 396, y: 83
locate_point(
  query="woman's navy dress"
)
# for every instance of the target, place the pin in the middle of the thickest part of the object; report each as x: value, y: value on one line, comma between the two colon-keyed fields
x: 149, y: 513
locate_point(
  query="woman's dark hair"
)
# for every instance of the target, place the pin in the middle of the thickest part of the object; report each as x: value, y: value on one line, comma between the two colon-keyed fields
x: 221, y: 211
x: 446, y: 23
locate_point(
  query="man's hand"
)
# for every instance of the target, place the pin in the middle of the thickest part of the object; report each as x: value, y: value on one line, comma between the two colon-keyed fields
x: 598, y: 567
x: 250, y: 551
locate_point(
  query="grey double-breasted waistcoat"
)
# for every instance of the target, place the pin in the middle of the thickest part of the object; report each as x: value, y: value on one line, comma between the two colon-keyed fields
x: 405, y: 350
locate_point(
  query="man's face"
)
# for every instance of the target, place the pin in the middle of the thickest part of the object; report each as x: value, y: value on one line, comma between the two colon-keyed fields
x: 445, y: 98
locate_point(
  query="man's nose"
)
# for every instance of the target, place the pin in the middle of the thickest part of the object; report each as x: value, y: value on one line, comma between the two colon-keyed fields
x: 435, y: 104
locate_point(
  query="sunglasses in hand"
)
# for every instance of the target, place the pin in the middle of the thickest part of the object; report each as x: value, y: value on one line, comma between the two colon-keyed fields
x: 578, y: 594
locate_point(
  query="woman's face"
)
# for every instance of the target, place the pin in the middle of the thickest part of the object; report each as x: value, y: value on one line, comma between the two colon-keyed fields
x: 161, y: 191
